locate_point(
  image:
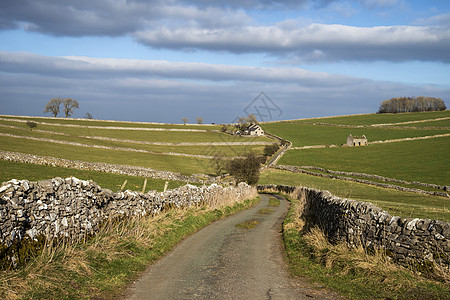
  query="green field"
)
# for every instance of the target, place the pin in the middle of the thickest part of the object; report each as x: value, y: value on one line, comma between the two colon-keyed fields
x: 106, y: 123
x: 370, y: 119
x: 140, y: 135
x: 310, y: 135
x: 127, y: 143
x: 14, y: 170
x: 425, y: 161
x: 397, y: 203
x: 421, y: 160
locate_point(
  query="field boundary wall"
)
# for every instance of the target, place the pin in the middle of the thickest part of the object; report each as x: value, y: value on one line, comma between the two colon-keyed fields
x: 409, y: 241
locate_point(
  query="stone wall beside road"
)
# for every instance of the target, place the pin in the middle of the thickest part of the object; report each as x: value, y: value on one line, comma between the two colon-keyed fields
x: 409, y: 241
x: 72, y: 209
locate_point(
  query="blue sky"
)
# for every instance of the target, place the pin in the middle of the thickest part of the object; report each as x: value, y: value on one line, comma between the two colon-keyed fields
x: 164, y: 60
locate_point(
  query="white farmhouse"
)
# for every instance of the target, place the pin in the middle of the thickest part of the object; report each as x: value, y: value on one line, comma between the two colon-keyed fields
x: 255, y: 130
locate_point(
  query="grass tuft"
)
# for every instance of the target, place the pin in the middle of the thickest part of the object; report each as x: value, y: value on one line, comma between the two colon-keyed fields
x: 248, y: 224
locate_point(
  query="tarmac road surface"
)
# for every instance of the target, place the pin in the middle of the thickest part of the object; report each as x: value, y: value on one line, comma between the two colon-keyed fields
x: 223, y: 261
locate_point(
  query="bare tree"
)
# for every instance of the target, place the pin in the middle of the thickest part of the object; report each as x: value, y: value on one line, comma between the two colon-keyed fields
x: 53, y: 106
x: 252, y: 119
x: 69, y: 106
x: 199, y: 120
x: 219, y: 163
x: 185, y: 120
x: 411, y: 104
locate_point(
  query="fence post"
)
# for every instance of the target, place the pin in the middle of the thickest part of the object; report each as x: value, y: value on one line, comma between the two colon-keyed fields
x: 145, y: 185
x: 124, y: 184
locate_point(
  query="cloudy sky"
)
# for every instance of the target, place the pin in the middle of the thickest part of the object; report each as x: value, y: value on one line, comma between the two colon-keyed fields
x: 164, y: 60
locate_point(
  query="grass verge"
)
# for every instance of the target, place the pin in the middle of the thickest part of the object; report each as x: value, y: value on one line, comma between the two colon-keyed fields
x: 352, y: 273
x: 103, y: 266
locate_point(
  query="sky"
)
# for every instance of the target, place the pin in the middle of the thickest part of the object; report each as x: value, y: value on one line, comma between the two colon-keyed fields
x: 161, y: 61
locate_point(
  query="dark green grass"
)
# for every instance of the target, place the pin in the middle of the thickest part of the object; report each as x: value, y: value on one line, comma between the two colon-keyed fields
x: 185, y: 165
x: 309, y: 135
x: 14, y: 170
x: 370, y: 119
x: 408, y: 205
x: 421, y: 160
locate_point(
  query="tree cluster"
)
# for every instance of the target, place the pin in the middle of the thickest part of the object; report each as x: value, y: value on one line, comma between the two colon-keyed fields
x: 53, y: 106
x: 411, y: 104
x: 271, y: 149
x: 245, y: 169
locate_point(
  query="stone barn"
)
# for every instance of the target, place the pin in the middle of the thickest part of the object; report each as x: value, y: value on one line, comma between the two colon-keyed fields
x: 354, y: 141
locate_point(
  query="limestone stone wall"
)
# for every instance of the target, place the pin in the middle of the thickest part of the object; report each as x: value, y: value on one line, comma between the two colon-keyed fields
x: 407, y: 240
x: 72, y: 208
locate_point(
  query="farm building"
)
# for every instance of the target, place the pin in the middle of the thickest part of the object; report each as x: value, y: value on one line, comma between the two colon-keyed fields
x: 353, y: 141
x: 255, y: 129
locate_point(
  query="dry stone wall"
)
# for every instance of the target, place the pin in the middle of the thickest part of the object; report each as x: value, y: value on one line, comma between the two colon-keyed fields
x: 71, y: 208
x: 409, y: 241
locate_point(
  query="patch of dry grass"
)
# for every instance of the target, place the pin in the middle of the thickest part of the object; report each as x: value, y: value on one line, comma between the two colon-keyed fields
x: 353, y: 272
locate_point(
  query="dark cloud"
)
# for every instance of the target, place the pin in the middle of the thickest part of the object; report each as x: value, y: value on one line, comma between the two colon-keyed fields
x: 223, y: 26
x: 167, y: 91
x: 107, y: 17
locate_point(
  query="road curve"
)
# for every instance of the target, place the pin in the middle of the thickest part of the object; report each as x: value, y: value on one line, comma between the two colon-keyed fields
x: 223, y: 261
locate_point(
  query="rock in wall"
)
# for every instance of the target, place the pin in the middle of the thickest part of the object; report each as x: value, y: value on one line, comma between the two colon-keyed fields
x: 408, y: 241
x: 72, y: 208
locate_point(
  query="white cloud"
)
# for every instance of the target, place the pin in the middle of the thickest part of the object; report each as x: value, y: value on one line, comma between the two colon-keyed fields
x: 334, y: 42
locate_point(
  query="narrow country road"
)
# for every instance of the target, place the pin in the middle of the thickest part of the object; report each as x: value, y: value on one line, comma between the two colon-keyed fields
x: 223, y: 261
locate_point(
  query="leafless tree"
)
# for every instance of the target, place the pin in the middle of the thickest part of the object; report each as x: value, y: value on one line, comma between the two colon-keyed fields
x: 53, y: 106
x: 69, y: 106
x: 252, y: 119
x: 185, y: 120
x: 199, y: 120
x: 411, y: 104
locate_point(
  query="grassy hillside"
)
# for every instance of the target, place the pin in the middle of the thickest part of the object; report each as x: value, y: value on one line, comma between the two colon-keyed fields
x: 423, y: 160
x: 397, y: 203
x: 420, y: 160
x: 139, y: 144
x: 371, y: 119
x: 131, y: 143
